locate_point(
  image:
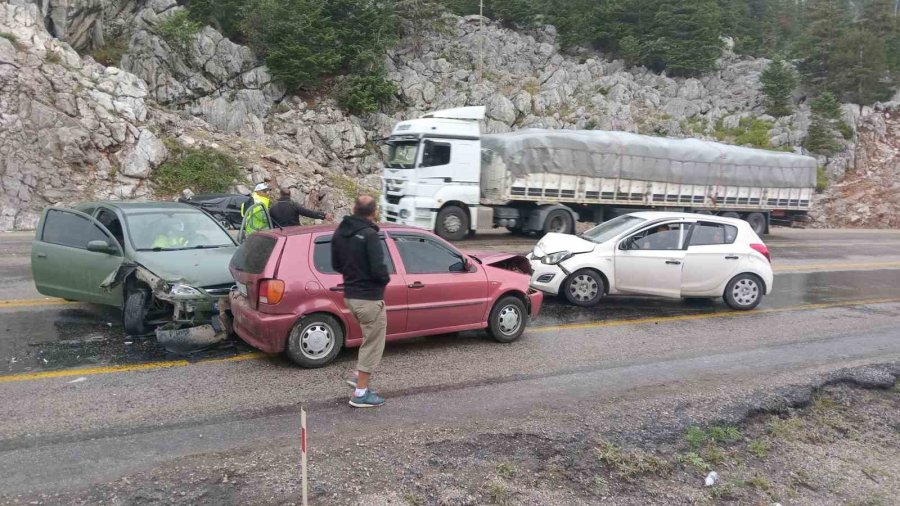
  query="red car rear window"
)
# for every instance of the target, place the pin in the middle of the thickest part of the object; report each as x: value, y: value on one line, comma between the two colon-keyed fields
x: 251, y: 257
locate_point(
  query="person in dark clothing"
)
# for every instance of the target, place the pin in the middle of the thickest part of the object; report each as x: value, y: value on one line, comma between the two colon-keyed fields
x: 286, y: 213
x: 357, y: 254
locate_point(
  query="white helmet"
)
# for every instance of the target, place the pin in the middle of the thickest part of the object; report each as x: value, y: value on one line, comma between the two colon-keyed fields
x: 261, y: 187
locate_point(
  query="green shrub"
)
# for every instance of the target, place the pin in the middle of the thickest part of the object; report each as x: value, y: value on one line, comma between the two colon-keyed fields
x: 821, y: 179
x: 303, y: 41
x: 54, y: 57
x: 363, y: 94
x: 225, y: 15
x: 178, y: 29
x: 750, y: 131
x: 203, y: 170
x: 111, y: 52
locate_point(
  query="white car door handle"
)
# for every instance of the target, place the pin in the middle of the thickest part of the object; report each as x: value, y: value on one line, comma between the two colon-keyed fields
x: 732, y: 257
x: 673, y: 262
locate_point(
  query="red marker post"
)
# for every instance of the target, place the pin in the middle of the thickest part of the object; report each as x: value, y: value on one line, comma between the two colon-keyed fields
x: 303, y: 453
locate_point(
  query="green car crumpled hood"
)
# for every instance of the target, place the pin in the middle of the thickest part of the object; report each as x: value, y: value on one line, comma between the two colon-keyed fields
x: 194, y: 267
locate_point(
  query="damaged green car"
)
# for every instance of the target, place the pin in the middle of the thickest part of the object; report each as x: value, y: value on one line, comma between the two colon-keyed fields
x: 164, y: 264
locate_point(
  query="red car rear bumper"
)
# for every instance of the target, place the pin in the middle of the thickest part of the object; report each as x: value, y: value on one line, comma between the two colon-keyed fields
x: 535, y: 301
x: 266, y: 332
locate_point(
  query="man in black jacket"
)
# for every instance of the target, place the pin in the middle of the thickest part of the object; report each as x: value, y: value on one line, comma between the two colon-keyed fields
x: 286, y: 213
x: 356, y: 253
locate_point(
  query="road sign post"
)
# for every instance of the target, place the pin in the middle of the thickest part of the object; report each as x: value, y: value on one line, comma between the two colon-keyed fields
x: 303, y: 482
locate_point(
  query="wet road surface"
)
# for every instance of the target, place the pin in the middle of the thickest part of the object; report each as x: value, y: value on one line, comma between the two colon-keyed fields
x: 812, y: 267
x: 76, y: 421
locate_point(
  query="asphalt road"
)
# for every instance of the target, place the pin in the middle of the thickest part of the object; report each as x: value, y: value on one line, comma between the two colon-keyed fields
x: 87, y: 406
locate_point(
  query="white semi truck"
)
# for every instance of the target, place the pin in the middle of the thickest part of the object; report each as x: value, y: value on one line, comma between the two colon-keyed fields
x: 442, y: 174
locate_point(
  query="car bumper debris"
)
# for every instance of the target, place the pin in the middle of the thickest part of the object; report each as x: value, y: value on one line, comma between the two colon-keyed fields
x: 194, y: 324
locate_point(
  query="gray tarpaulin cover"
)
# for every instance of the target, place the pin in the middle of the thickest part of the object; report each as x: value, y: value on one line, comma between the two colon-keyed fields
x: 624, y: 155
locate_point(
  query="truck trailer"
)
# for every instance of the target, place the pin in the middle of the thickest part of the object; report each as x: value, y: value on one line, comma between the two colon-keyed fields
x: 442, y: 174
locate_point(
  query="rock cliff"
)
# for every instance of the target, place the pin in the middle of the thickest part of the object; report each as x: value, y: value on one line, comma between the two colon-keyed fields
x: 72, y: 129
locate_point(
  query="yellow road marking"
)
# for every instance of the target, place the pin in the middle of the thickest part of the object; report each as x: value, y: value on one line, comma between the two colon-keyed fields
x: 92, y: 371
x: 707, y: 316
x: 836, y: 266
x: 49, y: 301
x: 555, y: 328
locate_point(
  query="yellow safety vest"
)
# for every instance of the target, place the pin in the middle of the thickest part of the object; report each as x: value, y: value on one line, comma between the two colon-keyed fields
x: 257, y: 220
x: 165, y: 241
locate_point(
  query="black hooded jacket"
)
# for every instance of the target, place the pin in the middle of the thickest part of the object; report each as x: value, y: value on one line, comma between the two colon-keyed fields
x: 357, y: 254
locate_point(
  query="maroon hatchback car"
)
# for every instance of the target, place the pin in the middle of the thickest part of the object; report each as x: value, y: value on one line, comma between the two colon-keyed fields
x: 289, y: 298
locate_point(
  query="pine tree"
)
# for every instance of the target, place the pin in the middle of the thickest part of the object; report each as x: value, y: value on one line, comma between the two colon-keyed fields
x: 826, y: 126
x: 778, y: 84
x: 882, y: 18
x: 824, y: 22
x: 859, y: 68
x: 752, y: 24
x: 685, y: 37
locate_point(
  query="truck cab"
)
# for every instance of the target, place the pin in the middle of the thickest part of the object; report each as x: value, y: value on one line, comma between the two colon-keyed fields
x: 433, y: 171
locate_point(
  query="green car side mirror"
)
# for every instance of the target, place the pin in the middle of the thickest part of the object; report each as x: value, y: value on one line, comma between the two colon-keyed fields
x: 101, y: 247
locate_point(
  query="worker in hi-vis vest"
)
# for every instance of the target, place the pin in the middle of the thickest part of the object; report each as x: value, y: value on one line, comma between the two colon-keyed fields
x: 257, y: 219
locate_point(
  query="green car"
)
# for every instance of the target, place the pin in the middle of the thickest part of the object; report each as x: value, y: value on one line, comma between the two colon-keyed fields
x: 160, y: 262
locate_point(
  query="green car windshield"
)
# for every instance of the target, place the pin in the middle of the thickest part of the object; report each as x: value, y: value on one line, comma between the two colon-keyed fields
x: 175, y: 230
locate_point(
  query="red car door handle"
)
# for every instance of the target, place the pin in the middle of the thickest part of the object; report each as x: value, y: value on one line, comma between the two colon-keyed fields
x: 417, y: 284
x: 339, y: 288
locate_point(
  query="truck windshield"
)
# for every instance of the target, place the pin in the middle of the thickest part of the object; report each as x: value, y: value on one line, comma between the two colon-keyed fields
x: 612, y: 228
x: 402, y: 155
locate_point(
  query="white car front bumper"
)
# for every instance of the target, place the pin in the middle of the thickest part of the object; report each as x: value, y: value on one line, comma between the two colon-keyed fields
x: 546, y: 278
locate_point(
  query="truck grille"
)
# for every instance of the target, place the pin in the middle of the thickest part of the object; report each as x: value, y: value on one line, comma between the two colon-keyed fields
x: 392, y: 199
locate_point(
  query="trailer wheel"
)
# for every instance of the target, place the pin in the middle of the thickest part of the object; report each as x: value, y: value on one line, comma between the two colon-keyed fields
x: 559, y: 221
x: 757, y: 222
x: 452, y: 223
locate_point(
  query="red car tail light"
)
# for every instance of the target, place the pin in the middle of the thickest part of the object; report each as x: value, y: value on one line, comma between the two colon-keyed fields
x: 762, y: 249
x: 271, y: 291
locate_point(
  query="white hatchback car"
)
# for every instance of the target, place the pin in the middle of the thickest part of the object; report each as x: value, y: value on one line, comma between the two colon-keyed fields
x: 656, y: 253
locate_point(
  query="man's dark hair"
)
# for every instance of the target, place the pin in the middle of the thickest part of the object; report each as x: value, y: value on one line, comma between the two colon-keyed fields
x: 286, y: 192
x: 365, y: 206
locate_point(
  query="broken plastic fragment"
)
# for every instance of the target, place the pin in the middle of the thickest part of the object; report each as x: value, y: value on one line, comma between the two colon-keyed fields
x: 712, y: 478
x: 77, y: 380
x: 178, y: 339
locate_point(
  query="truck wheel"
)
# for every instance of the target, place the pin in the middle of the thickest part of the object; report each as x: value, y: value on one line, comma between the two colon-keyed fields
x: 315, y: 340
x: 584, y: 288
x: 757, y: 222
x: 507, y: 320
x: 452, y: 223
x: 134, y: 314
x: 559, y: 221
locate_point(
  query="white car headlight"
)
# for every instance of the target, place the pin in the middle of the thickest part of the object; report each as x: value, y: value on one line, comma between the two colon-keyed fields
x: 181, y: 290
x: 555, y: 258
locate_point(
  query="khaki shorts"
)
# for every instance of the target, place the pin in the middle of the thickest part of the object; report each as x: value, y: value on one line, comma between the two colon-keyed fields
x: 372, y: 319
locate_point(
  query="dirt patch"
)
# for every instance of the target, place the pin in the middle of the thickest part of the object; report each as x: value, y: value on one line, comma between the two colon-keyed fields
x: 844, y: 448
x: 837, y: 442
